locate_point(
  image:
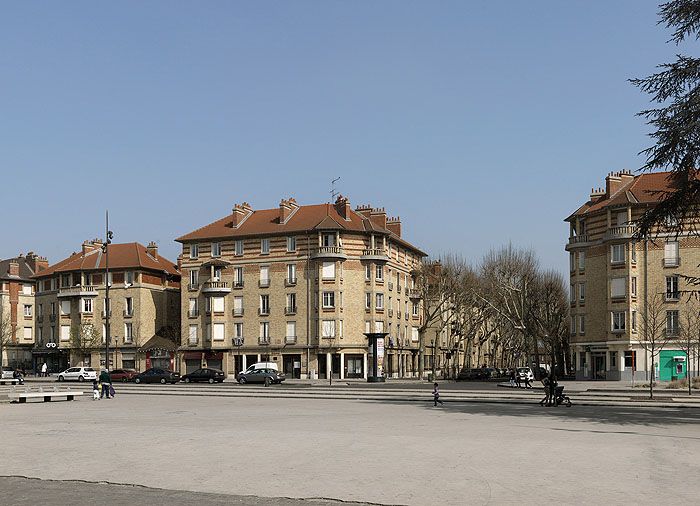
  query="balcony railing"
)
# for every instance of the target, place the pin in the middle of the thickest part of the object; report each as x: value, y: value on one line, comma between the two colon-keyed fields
x: 216, y: 287
x: 620, y: 232
x: 264, y: 311
x: 78, y: 291
x: 414, y: 294
x: 576, y: 239
x: 375, y: 254
x: 290, y: 339
x: 237, y: 311
x: 290, y: 310
x: 264, y: 283
x: 265, y: 340
x: 329, y: 252
x: 290, y: 281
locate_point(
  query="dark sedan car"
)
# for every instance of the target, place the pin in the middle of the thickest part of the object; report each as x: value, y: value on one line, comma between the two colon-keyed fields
x: 123, y: 375
x: 266, y: 376
x: 155, y: 375
x: 472, y: 374
x: 206, y: 374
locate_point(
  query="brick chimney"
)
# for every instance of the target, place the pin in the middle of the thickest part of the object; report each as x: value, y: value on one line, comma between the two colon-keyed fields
x: 287, y: 208
x: 152, y: 249
x: 36, y: 263
x: 179, y: 262
x: 365, y: 210
x: 240, y: 213
x: 378, y: 217
x: 394, y: 225
x: 13, y: 267
x: 596, y: 193
x: 91, y: 245
x: 342, y: 205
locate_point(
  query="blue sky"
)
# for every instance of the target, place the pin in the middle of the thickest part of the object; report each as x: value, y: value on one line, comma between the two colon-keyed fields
x: 479, y: 123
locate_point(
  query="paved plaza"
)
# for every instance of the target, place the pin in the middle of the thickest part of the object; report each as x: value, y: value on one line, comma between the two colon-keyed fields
x: 273, y: 450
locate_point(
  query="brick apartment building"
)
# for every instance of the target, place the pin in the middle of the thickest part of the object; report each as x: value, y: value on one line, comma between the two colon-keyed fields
x: 612, y: 276
x: 300, y: 285
x: 18, y: 309
x: 144, y: 308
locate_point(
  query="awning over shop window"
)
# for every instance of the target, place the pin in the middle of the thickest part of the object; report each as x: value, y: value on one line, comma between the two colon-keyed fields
x: 214, y: 355
x: 193, y: 355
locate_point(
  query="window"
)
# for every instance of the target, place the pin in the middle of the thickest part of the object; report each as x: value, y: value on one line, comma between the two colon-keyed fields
x: 634, y: 251
x: 379, y: 326
x: 238, y: 330
x: 265, y: 330
x: 291, y: 244
x: 104, y: 333
x: 194, y: 250
x: 379, y: 301
x: 617, y: 254
x: 291, y: 329
x: 207, y: 305
x: 291, y: 274
x: 415, y: 336
x: 65, y: 307
x: 328, y: 240
x: 265, y: 246
x: 672, y: 288
x: 218, y: 304
x: 633, y: 322
x: 368, y: 326
x: 328, y: 270
x: 194, y: 277
x: 40, y: 310
x: 671, y: 257
x: 415, y: 309
x: 28, y: 309
x: 572, y: 325
x: 216, y: 274
x: 238, y: 276
x: 582, y: 292
x: 193, y: 334
x: 339, y: 328
x: 368, y: 300
x: 65, y: 332
x: 581, y: 260
x: 128, y: 332
x: 672, y: 323
x: 219, y: 332
x: 193, y: 310
x: 618, y: 321
x: 239, y: 247
x: 618, y: 287
x: 27, y: 333
x: 40, y: 334
x: 264, y: 304
x: 633, y: 287
x: 631, y: 360
x: 291, y: 302
x: 129, y: 306
x: 380, y: 272
x: 621, y: 218
x: 264, y: 276
x: 368, y: 272
x: 572, y: 293
x: 87, y: 306
x: 52, y: 333
x: 328, y: 328
x: 26, y: 289
x: 53, y: 308
x: 129, y: 277
x: 238, y: 306
x: 328, y: 300
x: 216, y: 249
x: 582, y: 324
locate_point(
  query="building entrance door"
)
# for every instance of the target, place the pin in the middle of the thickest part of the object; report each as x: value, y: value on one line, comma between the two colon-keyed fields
x: 291, y: 365
x: 599, y: 366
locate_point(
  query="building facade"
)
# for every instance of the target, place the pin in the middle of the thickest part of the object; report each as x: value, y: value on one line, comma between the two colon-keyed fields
x: 18, y: 309
x: 300, y: 285
x: 144, y: 304
x: 614, y: 278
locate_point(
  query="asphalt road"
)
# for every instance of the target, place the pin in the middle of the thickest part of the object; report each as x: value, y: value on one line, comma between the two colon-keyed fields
x: 383, y: 452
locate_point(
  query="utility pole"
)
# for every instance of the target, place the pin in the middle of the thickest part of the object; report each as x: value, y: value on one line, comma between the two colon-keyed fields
x: 108, y: 303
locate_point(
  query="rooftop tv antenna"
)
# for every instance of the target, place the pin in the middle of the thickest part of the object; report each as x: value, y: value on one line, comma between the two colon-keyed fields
x: 334, y: 192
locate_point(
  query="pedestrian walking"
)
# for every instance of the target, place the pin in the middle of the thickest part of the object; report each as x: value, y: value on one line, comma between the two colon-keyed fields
x: 546, y: 400
x: 95, y: 390
x: 44, y: 370
x: 512, y: 378
x: 436, y: 395
x: 106, y: 381
x: 517, y: 378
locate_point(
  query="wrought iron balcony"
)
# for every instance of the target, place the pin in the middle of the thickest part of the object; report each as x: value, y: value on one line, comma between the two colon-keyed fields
x: 216, y: 287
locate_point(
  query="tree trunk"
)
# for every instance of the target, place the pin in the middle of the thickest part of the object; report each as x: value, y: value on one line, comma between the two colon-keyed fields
x: 421, y: 354
x: 651, y: 383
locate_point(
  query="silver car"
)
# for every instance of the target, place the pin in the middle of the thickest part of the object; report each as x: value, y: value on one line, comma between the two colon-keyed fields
x: 78, y: 374
x: 7, y: 373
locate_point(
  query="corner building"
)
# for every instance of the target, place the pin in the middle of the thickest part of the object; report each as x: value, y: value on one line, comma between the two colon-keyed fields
x: 300, y: 285
x: 612, y: 276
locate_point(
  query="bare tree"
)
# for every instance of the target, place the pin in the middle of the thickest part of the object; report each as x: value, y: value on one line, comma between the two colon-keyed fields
x: 549, y: 309
x: 653, y: 334
x: 689, y: 336
x: 84, y: 338
x: 6, y: 330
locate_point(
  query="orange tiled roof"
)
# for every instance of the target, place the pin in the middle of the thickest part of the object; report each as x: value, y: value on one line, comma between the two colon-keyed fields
x: 304, y: 219
x: 644, y: 189
x: 130, y: 255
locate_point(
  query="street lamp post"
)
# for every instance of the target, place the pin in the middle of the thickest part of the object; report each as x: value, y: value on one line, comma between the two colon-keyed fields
x: 108, y: 305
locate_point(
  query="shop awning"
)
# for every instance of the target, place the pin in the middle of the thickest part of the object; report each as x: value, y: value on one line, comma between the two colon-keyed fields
x: 214, y: 355
x: 192, y: 355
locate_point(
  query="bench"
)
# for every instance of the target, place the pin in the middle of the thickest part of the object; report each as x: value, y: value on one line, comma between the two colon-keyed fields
x: 22, y: 397
x: 12, y: 381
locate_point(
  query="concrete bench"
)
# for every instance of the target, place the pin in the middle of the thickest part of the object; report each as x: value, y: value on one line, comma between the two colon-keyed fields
x: 12, y: 381
x: 22, y: 397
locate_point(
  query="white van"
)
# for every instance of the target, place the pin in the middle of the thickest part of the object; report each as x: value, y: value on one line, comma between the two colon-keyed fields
x: 262, y: 365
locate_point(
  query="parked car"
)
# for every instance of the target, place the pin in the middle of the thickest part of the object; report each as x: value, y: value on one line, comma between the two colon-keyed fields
x: 526, y: 372
x: 262, y: 365
x: 205, y: 374
x: 78, y: 374
x: 156, y: 375
x: 123, y: 375
x: 471, y: 374
x: 266, y: 376
x: 7, y: 372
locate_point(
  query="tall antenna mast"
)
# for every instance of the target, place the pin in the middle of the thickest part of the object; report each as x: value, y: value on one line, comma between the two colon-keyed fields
x: 334, y: 192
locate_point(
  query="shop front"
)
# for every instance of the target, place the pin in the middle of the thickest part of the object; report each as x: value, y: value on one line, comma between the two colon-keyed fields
x: 214, y: 359
x: 193, y: 361
x: 160, y: 353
